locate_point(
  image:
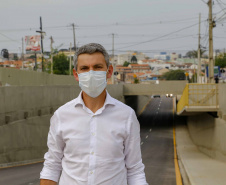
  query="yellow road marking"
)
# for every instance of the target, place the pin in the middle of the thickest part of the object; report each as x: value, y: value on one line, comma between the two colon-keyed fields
x: 177, y: 170
x: 22, y: 164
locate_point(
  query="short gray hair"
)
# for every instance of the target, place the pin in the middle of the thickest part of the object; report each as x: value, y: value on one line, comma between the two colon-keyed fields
x: 90, y: 49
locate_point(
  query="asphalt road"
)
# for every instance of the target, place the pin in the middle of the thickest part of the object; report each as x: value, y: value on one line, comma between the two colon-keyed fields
x: 156, y: 145
x: 157, y: 142
x: 21, y: 175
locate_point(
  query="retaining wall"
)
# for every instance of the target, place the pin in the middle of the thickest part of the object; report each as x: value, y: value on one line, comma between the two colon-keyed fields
x: 24, y: 118
x: 208, y: 132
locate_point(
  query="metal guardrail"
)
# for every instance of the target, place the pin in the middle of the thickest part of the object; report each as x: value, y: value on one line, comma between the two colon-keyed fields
x: 199, y: 95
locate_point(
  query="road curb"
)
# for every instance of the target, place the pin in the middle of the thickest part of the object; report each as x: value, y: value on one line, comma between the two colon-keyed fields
x: 21, y: 163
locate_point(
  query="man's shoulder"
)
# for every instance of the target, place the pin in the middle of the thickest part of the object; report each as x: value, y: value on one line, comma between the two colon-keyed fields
x: 67, y: 105
x: 122, y: 106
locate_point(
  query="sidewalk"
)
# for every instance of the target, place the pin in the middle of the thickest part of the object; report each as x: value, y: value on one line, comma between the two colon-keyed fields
x: 199, y: 168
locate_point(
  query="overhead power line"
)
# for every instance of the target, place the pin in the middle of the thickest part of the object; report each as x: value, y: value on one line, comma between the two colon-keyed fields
x: 204, y: 1
x: 103, y: 25
x: 160, y: 36
x: 9, y: 38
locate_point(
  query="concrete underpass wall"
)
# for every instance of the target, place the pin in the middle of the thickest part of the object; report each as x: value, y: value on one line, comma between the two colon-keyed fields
x: 137, y: 103
x: 162, y: 88
x: 209, y: 133
x: 24, y: 118
x: 26, y: 78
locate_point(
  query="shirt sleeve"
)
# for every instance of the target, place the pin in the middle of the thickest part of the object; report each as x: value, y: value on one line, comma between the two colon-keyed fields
x: 133, y: 160
x: 52, y: 165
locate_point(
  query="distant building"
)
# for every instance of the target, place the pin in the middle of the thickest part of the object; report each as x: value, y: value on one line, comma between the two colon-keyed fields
x: 12, y: 64
x: 128, y: 56
x: 139, y: 67
x: 162, y: 56
x: 174, y: 57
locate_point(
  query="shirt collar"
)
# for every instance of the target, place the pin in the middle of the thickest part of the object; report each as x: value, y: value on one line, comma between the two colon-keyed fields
x: 108, y: 101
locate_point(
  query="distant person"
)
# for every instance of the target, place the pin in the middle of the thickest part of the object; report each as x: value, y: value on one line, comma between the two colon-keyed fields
x: 93, y: 139
x: 216, y: 79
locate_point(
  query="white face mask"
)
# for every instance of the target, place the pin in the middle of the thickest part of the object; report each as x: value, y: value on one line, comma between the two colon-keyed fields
x: 93, y: 82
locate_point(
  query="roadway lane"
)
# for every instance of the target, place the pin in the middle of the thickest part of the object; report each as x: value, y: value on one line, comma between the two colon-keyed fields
x: 157, y: 141
x: 21, y: 175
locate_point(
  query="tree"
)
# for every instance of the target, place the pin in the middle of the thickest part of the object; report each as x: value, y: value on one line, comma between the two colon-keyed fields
x: 15, y: 57
x: 32, y: 56
x: 60, y: 64
x: 221, y: 60
x: 174, y: 75
x: 193, y: 78
x: 194, y: 53
x: 126, y: 64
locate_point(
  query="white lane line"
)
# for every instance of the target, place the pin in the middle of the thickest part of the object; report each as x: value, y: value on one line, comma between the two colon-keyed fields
x: 146, y: 136
x: 141, y: 143
x: 150, y: 130
x: 156, y: 112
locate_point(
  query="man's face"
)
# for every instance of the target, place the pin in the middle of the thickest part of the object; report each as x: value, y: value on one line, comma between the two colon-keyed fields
x: 95, y: 62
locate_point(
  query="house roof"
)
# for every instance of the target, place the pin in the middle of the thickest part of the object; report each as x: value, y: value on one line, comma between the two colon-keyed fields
x: 122, y: 67
x: 139, y: 65
x: 138, y: 74
x: 149, y: 60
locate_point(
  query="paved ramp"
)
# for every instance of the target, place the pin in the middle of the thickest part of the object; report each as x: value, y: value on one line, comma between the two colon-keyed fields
x: 157, y: 142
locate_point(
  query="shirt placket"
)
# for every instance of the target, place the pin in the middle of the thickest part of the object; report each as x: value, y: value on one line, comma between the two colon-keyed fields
x: 92, y: 151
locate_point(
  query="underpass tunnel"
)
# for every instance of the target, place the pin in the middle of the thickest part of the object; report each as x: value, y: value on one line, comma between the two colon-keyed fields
x: 156, y: 120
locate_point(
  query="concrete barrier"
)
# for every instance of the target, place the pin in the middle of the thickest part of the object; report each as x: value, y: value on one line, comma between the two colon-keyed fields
x: 10, y: 76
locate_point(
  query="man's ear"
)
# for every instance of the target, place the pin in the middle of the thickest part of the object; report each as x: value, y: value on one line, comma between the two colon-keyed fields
x: 75, y: 75
x: 110, y: 71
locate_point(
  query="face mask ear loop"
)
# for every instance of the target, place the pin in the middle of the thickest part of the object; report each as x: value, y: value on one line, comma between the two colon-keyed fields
x: 108, y: 70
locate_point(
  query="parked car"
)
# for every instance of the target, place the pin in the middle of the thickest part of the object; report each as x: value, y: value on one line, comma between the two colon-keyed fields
x: 156, y: 96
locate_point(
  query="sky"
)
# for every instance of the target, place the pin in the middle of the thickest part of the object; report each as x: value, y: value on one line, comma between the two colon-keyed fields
x: 148, y: 26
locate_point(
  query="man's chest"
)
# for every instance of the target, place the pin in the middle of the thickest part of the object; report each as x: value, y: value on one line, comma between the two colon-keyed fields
x: 101, y: 135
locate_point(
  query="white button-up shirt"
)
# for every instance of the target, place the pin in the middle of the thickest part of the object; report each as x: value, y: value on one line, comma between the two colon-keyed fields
x: 87, y: 148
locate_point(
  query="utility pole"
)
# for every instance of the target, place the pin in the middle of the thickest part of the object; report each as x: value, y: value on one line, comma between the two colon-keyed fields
x: 51, y: 51
x: 113, y: 56
x: 211, y: 67
x: 22, y: 49
x: 42, y: 33
x: 22, y: 53
x: 199, y: 53
x: 70, y: 61
x: 35, y: 68
x: 73, y: 26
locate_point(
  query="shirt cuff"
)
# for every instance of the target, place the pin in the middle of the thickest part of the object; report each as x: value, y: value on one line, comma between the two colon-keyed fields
x: 50, y: 174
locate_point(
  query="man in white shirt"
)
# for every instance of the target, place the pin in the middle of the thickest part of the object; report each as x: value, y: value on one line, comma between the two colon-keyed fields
x: 93, y: 139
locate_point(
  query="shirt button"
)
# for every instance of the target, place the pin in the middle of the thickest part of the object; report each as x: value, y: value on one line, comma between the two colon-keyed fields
x: 91, y: 172
x: 92, y: 153
x: 93, y: 133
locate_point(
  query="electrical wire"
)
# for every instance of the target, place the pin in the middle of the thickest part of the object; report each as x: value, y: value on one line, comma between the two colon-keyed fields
x: 9, y: 38
x: 102, y: 25
x: 160, y: 36
x: 204, y: 1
